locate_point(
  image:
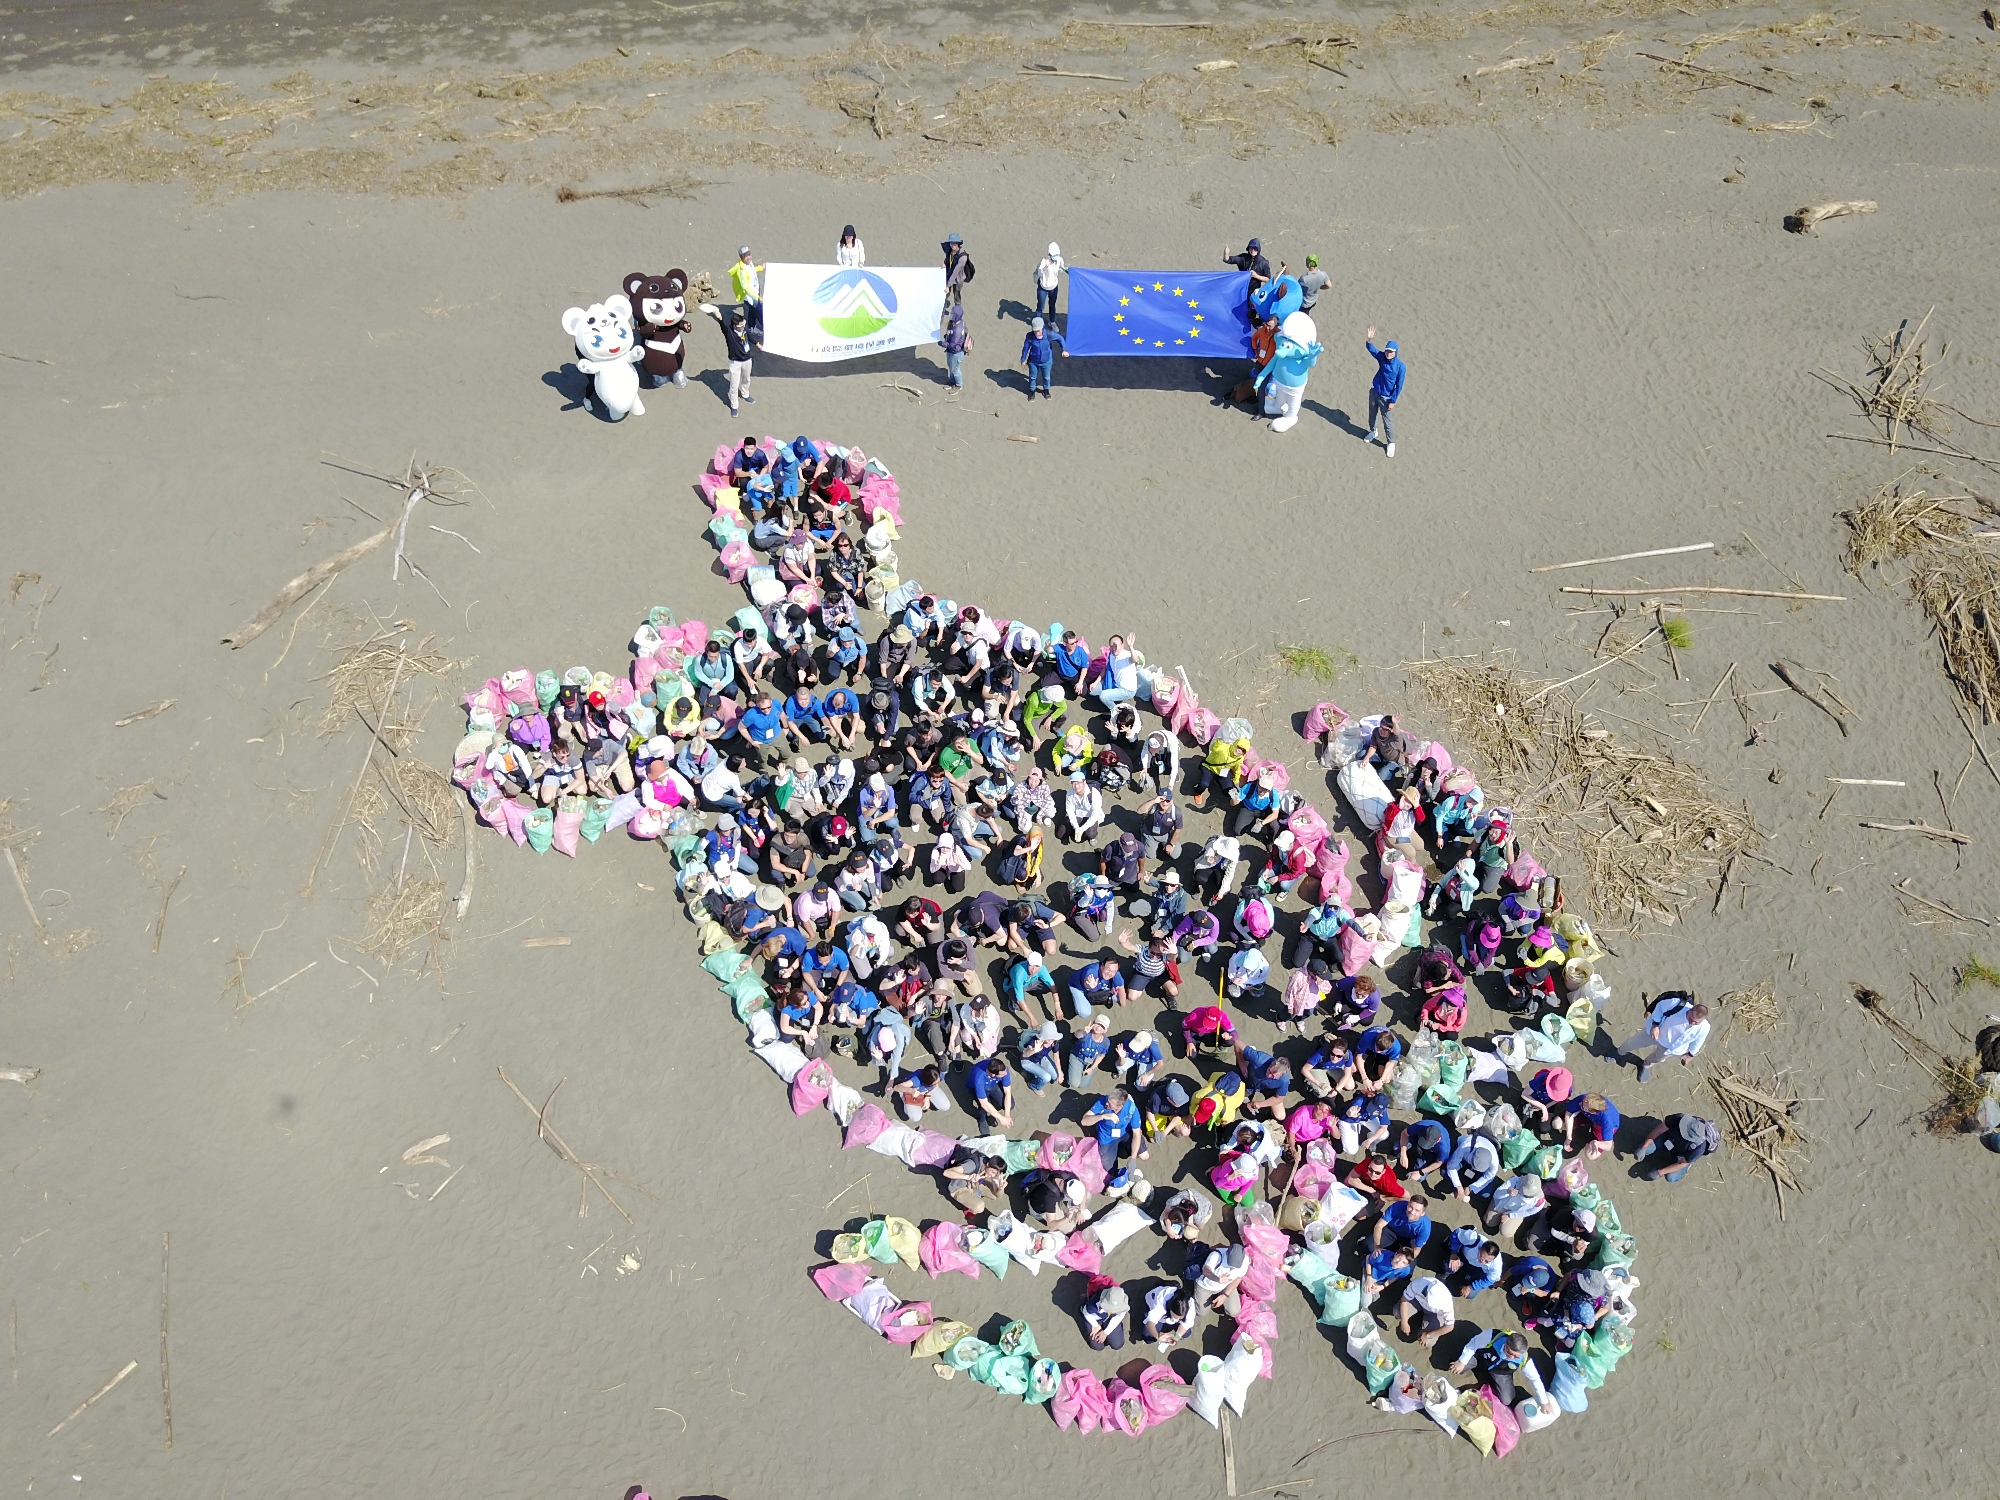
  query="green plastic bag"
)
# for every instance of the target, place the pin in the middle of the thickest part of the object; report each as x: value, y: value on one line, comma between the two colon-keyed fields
x: 1044, y: 1380
x: 1310, y: 1272
x: 541, y: 829
x: 1340, y: 1300
x: 548, y: 687
x: 1383, y: 1363
x: 1607, y: 1215
x: 725, y: 965
x: 967, y: 1352
x: 991, y: 1254
x: 875, y: 1238
x: 1021, y: 1155
x: 1556, y: 1027
x: 1018, y: 1338
x: 684, y: 850
x: 1547, y: 1162
x: 1589, y: 1196
x: 1516, y: 1149
x: 660, y: 617
x: 595, y: 816
x: 747, y: 993
x: 1613, y: 1250
x: 1005, y: 1373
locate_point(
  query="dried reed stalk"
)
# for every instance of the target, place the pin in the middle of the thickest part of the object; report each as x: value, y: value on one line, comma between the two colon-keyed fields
x: 1642, y: 828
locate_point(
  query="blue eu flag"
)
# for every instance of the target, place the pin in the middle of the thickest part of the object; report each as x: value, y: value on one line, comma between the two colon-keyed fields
x: 1159, y: 313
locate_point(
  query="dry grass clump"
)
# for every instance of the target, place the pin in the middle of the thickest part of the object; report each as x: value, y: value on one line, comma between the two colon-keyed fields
x: 1755, y: 1009
x: 1762, y: 1117
x: 1948, y: 543
x: 1957, y: 1106
x: 1641, y: 828
x: 362, y: 673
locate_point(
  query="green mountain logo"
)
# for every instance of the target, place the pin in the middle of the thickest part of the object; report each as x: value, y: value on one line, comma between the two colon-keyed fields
x: 853, y: 303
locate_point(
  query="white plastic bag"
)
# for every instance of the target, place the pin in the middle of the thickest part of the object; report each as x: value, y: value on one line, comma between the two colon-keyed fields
x: 1365, y: 793
x: 1346, y: 743
x: 1206, y: 1402
x: 783, y: 1059
x: 842, y: 1101
x: 1339, y: 1208
x: 1440, y: 1397
x: 897, y: 1141
x: 1119, y: 1224
x: 763, y: 1030
x: 1364, y: 1332
x: 873, y: 1303
x: 1243, y: 1364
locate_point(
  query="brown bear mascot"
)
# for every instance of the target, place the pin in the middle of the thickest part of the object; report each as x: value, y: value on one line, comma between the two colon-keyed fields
x: 659, y: 308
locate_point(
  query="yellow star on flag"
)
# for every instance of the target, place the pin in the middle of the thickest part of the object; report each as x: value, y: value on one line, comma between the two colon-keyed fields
x: 1159, y: 286
x: 1194, y: 333
x: 1177, y: 291
x: 1127, y: 301
x: 1197, y: 317
x: 1118, y: 317
x: 1180, y: 341
x: 1159, y: 343
x: 1138, y: 289
x: 1193, y: 303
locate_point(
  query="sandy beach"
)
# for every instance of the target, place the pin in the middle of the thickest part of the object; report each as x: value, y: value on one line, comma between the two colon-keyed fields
x: 1612, y: 345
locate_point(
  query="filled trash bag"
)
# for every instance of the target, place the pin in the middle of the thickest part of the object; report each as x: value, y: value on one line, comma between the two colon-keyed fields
x: 1206, y: 1399
x: 1571, y: 1390
x: 1164, y: 1392
x: 1081, y: 1399
x: 840, y: 1280
x: 967, y: 1352
x: 1243, y: 1364
x: 1018, y: 1338
x: 1506, y: 1427
x: 1006, y: 1373
x: 1380, y: 1368
x: 1044, y: 1380
x: 1128, y: 1408
x: 988, y: 1251
x: 942, y: 1248
x: 868, y: 1123
x: 1340, y: 1300
x: 539, y: 828
x: 809, y: 1089
x: 908, y: 1323
x: 940, y: 1336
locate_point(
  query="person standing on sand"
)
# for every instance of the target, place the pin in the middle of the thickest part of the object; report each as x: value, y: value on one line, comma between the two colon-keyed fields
x: 1312, y: 284
x: 736, y: 336
x: 1038, y: 357
x: 957, y: 341
x: 1675, y: 1027
x: 1384, y: 392
x: 744, y: 284
x: 958, y: 270
x: 850, y: 252
x: 1048, y: 278
x: 1252, y: 260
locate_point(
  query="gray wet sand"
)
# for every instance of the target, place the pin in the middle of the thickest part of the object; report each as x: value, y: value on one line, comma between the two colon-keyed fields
x: 1610, y: 349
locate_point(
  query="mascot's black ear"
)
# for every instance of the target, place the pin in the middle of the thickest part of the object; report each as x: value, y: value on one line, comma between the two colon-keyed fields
x: 634, y: 284
x: 677, y: 282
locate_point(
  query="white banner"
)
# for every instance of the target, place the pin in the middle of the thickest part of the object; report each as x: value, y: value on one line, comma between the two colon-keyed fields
x: 823, y: 313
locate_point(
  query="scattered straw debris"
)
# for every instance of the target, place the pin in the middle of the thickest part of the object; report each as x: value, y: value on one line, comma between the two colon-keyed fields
x: 1956, y: 1077
x: 1948, y: 542
x: 1812, y: 214
x: 1642, y: 828
x: 1755, y: 1009
x: 125, y: 802
x: 1763, y: 1123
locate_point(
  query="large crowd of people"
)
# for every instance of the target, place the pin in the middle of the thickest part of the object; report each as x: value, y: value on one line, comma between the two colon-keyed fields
x: 1019, y: 884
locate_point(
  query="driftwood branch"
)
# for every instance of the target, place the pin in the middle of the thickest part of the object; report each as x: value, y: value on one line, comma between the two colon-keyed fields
x: 1574, y: 588
x: 299, y: 587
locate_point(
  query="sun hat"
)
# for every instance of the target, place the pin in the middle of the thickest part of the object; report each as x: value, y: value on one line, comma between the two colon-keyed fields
x: 901, y: 635
x: 1556, y: 1083
x: 1049, y: 1031
x: 1170, y: 877
x: 954, y: 239
x: 1592, y: 1284
x: 770, y: 897
x: 1054, y: 248
x: 1692, y: 1130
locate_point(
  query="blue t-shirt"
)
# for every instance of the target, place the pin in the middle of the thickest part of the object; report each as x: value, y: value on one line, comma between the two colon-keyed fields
x: 791, y: 942
x: 1363, y: 1047
x: 1147, y: 1060
x: 1405, y: 1227
x: 1110, y: 1132
x: 1427, y: 1141
x: 1380, y: 1269
x: 1087, y: 1049
x: 808, y: 712
x: 986, y: 1086
x: 1603, y: 1123
x: 1531, y: 1274
x: 761, y: 725
x: 836, y: 960
x: 1269, y: 1076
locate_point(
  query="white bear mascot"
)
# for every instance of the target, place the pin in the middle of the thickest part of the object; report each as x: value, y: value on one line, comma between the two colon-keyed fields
x: 1298, y: 351
x: 607, y: 352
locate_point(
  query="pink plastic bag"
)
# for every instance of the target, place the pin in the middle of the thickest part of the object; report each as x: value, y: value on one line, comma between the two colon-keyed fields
x: 491, y: 698
x: 1166, y: 693
x: 1323, y: 718
x: 1065, y: 1153
x: 1181, y: 711
x: 1081, y: 1399
x: 1164, y: 1393
x: 942, y: 1249
x: 694, y: 637
x: 516, y: 817
x: 1506, y: 1426
x: 908, y: 1323
x: 568, y: 826
x: 519, y: 686
x: 1128, y: 1408
x: 1260, y: 1282
x: 1308, y: 828
x: 1331, y: 869
x: 1355, y: 951
x: 621, y: 694
x: 720, y: 463
x: 644, y: 670
x: 736, y: 560
x: 1203, y: 726
x: 708, y: 484
x: 934, y: 1149
x: 1265, y: 1242
x: 1253, y: 763
x: 811, y: 1086
x: 1081, y: 1252
x: 1259, y: 1320
x: 838, y: 1282
x: 492, y: 810
x: 868, y: 1123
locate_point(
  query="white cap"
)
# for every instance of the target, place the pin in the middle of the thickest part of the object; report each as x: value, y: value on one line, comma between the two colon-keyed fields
x: 1141, y: 1040
x: 1054, y: 248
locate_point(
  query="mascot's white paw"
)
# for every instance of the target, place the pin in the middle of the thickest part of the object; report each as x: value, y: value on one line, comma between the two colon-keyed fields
x: 1285, y: 423
x: 638, y: 406
x: 607, y: 352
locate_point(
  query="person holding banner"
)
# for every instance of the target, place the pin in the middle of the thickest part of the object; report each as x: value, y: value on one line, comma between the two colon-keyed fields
x: 957, y: 340
x: 1048, y: 278
x: 958, y: 269
x: 743, y: 282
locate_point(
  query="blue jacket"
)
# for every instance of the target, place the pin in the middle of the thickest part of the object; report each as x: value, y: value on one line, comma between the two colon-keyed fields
x: 1042, y: 350
x: 1388, y: 384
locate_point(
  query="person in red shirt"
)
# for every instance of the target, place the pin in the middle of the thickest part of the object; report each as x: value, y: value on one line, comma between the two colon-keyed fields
x: 1375, y: 1175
